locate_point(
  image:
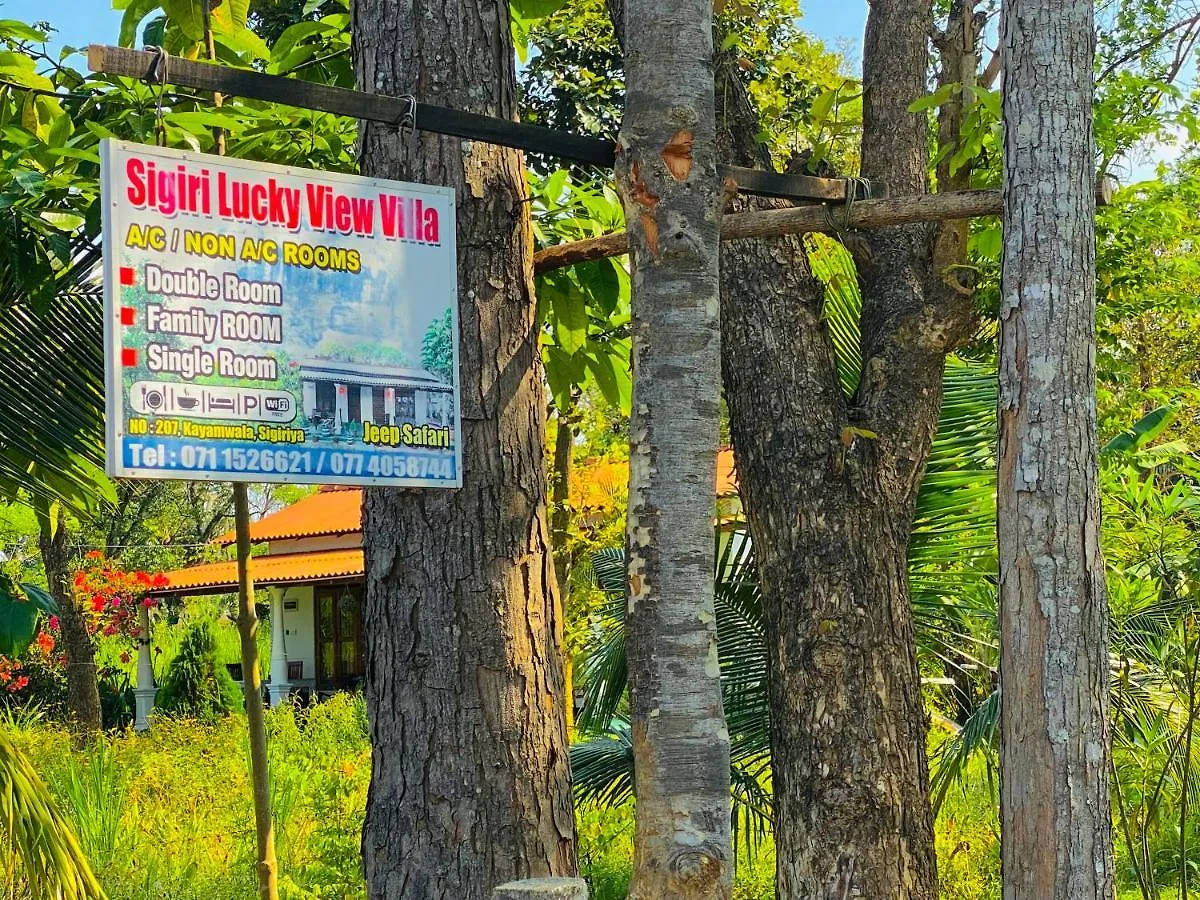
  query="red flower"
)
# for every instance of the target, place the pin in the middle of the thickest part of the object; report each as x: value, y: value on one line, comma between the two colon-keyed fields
x: 93, y: 554
x: 20, y: 684
x: 54, y: 623
x: 149, y: 602
x: 98, y: 603
x: 45, y: 643
x: 125, y: 657
x: 80, y: 578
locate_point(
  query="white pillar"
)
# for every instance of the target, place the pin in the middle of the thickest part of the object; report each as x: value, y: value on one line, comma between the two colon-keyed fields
x: 366, y: 404
x: 309, y: 390
x: 341, y: 406
x: 280, y: 688
x: 143, y: 694
x: 389, y: 405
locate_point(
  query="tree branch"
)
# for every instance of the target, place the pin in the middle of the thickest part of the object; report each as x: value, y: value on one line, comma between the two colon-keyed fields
x: 797, y: 220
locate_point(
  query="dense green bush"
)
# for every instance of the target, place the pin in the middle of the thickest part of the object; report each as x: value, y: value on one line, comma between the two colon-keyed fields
x: 196, y: 684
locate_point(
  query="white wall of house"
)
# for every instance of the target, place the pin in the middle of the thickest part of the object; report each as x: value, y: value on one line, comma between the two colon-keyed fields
x: 299, y: 626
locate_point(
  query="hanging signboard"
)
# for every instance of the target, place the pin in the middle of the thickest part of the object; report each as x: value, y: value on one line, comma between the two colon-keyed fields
x: 266, y: 323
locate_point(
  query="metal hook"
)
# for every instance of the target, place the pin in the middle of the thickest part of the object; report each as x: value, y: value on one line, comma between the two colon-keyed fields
x: 158, y: 75
x: 406, y: 122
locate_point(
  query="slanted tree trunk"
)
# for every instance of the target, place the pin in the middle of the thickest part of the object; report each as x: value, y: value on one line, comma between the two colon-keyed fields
x: 470, y: 784
x: 666, y: 172
x: 83, y: 681
x: 561, y: 519
x: 830, y: 483
x: 1054, y: 798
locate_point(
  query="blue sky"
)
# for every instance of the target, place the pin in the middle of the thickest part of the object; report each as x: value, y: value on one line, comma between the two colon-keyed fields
x: 838, y: 22
x: 81, y: 22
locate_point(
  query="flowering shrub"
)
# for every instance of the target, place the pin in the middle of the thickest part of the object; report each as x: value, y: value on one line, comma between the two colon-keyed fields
x: 109, y: 598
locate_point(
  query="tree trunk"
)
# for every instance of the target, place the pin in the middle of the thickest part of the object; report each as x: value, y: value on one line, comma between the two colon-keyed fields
x: 266, y: 865
x: 1053, y: 607
x: 470, y: 783
x: 560, y: 529
x: 83, y: 690
x: 666, y: 172
x: 830, y: 484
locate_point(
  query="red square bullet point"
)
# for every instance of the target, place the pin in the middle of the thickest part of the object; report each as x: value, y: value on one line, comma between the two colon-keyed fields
x: 128, y: 357
x: 127, y: 315
x: 127, y: 276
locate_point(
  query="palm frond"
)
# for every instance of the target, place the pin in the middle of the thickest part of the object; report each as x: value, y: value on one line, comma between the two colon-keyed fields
x: 52, y: 382
x: 977, y: 737
x: 51, y: 858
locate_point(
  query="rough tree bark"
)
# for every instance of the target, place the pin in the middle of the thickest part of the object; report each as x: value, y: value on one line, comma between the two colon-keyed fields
x: 83, y: 681
x: 666, y: 172
x: 470, y: 784
x: 830, y: 508
x: 1053, y: 608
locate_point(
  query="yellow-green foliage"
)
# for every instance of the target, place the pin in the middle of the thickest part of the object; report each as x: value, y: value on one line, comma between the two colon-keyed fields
x: 167, y: 815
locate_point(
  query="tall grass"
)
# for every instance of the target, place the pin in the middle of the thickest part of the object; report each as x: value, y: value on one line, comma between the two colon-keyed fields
x: 167, y: 815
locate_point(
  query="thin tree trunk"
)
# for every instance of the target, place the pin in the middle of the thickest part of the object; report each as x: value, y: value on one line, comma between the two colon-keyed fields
x: 666, y: 172
x: 470, y: 783
x: 260, y: 778
x: 830, y: 507
x: 560, y: 529
x: 1056, y: 823
x: 83, y: 681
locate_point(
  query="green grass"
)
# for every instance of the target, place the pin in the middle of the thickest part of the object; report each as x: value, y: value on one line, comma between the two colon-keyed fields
x: 167, y: 815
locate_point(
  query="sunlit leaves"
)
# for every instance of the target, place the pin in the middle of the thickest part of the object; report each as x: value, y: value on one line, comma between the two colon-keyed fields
x: 585, y: 308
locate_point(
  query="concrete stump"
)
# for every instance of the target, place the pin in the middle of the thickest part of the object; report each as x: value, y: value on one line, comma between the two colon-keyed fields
x: 543, y: 889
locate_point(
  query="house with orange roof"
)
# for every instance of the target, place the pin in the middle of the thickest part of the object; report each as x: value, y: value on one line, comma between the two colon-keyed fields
x: 313, y: 570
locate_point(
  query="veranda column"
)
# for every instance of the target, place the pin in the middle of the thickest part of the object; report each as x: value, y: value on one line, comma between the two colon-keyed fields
x: 143, y: 694
x: 279, y: 688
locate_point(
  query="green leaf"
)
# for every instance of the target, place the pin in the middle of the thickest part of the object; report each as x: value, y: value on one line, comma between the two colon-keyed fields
x: 18, y: 619
x: 937, y: 98
x: 987, y: 242
x: 229, y: 16
x: 568, y: 312
x: 188, y: 15
x: 135, y: 12
x: 563, y: 373
x: 294, y: 34
x: 609, y: 366
x: 554, y: 186
x: 822, y: 106
x: 155, y: 32
x: 11, y: 28
x: 63, y: 221
x: 529, y: 10
x: 602, y: 284
x: 1143, y: 431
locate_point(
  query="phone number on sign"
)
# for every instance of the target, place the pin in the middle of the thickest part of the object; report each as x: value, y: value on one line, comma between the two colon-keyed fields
x: 288, y: 462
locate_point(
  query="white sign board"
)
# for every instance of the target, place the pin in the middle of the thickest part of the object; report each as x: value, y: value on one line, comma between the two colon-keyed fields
x: 266, y: 323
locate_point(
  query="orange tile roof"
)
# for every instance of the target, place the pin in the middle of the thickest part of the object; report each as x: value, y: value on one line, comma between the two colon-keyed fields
x: 726, y: 475
x: 339, y: 511
x: 285, y: 568
x: 322, y: 513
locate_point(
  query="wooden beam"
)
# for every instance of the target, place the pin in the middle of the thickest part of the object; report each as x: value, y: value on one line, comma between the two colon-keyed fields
x: 354, y: 104
x: 798, y: 220
x: 439, y: 119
